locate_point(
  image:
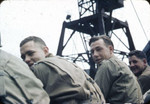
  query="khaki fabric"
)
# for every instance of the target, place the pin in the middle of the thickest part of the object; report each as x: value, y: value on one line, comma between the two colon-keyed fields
x: 144, y: 79
x: 64, y: 80
x: 18, y: 84
x: 117, y: 82
x: 146, y: 97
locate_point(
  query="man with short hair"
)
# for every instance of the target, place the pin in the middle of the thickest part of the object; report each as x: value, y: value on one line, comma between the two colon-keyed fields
x: 64, y: 81
x: 139, y: 66
x: 116, y: 81
x: 18, y: 84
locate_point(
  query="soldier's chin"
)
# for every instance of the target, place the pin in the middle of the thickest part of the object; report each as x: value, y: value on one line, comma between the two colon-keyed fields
x: 98, y: 62
x: 135, y: 71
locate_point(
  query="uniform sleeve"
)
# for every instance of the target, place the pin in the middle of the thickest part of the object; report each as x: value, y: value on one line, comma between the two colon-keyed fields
x: 107, y: 77
x: 144, y: 82
x: 42, y: 72
x: 103, y: 79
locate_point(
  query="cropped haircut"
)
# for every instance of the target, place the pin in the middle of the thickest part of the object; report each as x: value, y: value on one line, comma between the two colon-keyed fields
x: 34, y: 39
x: 137, y: 53
x: 105, y: 38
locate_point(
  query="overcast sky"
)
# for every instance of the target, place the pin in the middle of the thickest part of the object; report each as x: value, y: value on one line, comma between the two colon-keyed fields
x: 44, y: 18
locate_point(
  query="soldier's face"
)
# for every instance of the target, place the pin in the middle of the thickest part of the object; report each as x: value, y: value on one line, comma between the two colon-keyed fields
x: 100, y: 51
x: 32, y: 52
x: 137, y: 65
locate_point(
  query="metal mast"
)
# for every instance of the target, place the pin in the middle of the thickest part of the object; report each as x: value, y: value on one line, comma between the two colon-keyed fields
x: 95, y: 18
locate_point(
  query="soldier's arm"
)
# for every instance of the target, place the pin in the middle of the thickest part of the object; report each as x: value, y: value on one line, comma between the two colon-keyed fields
x: 144, y: 83
x: 42, y: 72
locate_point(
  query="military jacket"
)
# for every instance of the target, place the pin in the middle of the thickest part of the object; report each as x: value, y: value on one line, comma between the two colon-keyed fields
x: 117, y: 82
x: 18, y: 84
x: 64, y: 80
x: 144, y: 79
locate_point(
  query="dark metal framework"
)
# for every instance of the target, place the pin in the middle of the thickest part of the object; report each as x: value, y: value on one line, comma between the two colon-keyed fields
x: 1, y: 1
x: 147, y: 52
x: 86, y: 6
x: 148, y: 1
x: 98, y: 22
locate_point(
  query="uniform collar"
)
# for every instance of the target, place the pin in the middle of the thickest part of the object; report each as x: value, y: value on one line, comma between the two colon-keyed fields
x: 50, y: 55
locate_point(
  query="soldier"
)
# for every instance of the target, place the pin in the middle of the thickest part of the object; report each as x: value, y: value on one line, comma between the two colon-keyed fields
x: 117, y: 82
x: 64, y: 81
x: 18, y: 84
x: 139, y: 66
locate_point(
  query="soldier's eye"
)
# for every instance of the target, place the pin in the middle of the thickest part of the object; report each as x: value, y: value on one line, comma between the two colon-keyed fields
x: 30, y: 53
x: 134, y: 61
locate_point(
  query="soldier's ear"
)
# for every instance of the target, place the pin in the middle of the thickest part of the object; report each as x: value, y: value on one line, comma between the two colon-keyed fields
x: 46, y: 50
x: 111, y: 48
x: 145, y: 61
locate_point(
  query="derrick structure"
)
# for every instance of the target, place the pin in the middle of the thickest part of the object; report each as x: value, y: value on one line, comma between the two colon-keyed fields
x: 95, y: 18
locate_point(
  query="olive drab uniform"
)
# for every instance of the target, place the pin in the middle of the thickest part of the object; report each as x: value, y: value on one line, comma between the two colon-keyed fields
x: 18, y: 84
x: 118, y: 83
x: 144, y: 79
x: 66, y: 82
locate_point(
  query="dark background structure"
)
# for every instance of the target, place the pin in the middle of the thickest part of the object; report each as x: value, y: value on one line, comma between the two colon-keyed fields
x: 100, y: 22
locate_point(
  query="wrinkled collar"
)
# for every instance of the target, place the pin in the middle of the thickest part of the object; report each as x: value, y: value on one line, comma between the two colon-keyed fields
x: 107, y: 59
x: 50, y: 55
x: 138, y: 74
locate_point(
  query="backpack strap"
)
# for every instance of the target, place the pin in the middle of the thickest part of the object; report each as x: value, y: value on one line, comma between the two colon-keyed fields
x: 20, y: 85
